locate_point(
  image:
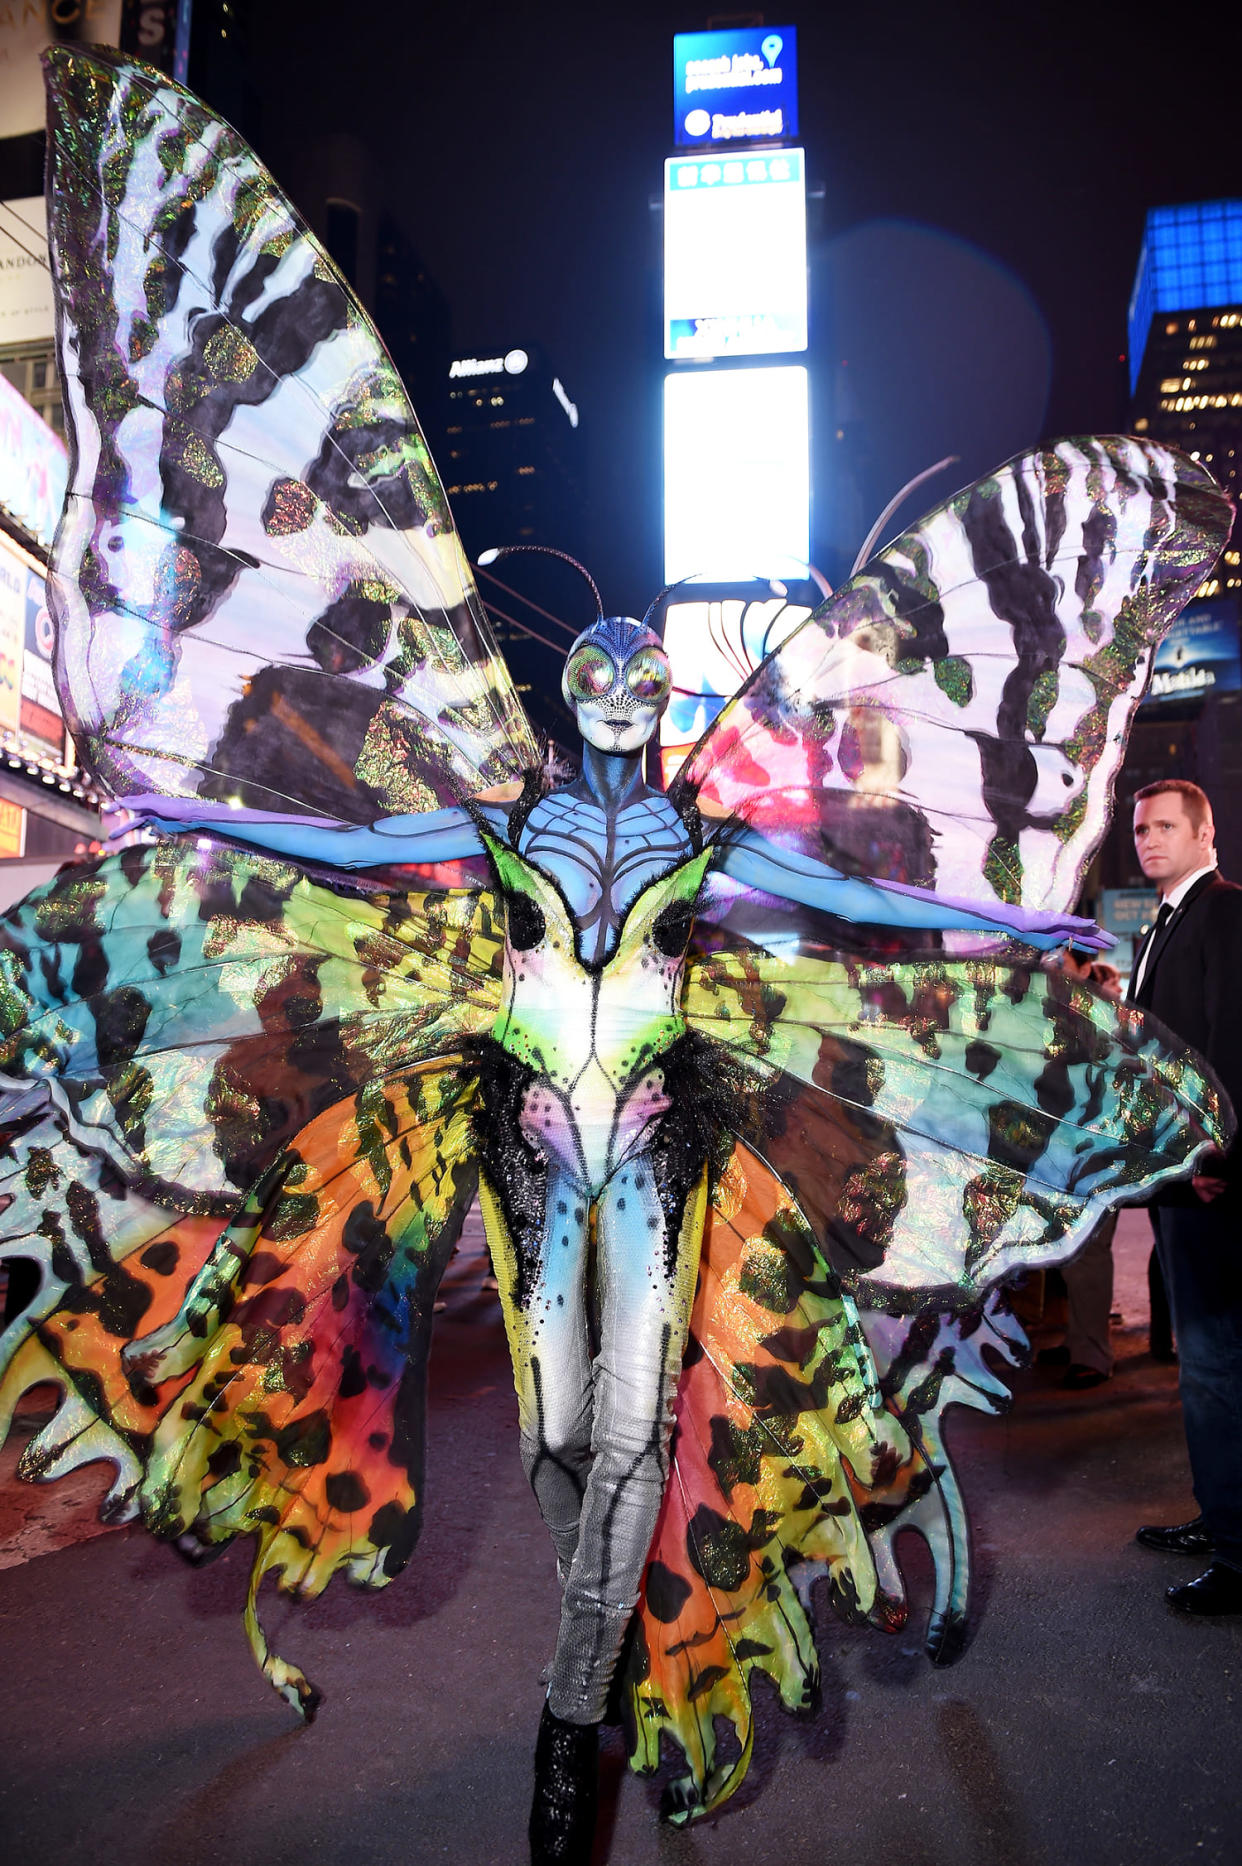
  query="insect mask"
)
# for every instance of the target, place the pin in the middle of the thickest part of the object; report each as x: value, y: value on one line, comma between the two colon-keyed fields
x: 618, y: 681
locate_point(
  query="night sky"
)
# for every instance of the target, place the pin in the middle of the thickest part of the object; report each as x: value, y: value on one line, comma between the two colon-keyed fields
x: 985, y: 171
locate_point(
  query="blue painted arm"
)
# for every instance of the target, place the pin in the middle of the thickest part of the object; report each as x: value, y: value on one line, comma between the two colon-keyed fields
x: 758, y: 863
x: 448, y: 835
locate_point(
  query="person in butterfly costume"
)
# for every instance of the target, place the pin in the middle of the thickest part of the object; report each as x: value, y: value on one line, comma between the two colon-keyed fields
x: 765, y: 1070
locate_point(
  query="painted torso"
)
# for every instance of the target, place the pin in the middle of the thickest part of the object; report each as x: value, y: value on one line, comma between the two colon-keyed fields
x: 593, y: 1035
x: 602, y: 859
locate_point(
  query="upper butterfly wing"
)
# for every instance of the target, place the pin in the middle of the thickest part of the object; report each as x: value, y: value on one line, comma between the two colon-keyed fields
x: 258, y: 590
x: 955, y: 715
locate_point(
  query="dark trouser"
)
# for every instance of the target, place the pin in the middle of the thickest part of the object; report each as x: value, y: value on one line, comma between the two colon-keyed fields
x: 1201, y: 1257
x: 1089, y: 1287
x: 1160, y: 1329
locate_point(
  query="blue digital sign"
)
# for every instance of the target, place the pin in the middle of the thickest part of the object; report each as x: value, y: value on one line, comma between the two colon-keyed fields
x: 736, y: 86
x: 1199, y: 654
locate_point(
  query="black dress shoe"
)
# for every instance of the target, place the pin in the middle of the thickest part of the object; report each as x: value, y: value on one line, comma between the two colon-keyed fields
x: 1079, y: 1378
x: 562, y: 1815
x: 1190, y: 1538
x: 1217, y: 1591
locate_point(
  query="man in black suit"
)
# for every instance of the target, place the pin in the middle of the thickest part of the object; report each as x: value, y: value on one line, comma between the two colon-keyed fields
x: 1189, y: 974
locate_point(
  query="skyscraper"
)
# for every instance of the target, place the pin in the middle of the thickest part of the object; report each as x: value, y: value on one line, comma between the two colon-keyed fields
x: 1186, y: 343
x: 512, y: 467
x: 1186, y: 389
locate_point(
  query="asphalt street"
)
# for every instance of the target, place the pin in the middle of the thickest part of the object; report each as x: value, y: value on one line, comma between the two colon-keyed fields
x: 1085, y: 1725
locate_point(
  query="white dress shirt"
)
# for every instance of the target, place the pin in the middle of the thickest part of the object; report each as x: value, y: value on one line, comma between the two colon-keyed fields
x: 1173, y: 899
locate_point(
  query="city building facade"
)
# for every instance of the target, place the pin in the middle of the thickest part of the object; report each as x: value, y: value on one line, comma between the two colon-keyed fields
x: 1185, y: 354
x: 510, y: 460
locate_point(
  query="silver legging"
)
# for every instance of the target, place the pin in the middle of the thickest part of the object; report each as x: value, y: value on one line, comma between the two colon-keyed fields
x: 595, y: 1430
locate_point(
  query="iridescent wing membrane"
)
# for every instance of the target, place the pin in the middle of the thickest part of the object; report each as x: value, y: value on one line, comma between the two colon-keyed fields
x: 258, y: 590
x: 954, y: 716
x: 237, y: 1139
x: 916, y: 1131
x: 922, y: 1124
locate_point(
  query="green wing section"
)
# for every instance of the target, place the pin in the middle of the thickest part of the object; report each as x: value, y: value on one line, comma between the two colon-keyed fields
x: 182, y: 1013
x: 945, y: 1123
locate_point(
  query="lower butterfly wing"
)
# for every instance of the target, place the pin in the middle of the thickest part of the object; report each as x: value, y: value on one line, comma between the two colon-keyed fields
x: 237, y: 1142
x: 925, y: 1364
x: 946, y: 1123
x: 259, y: 593
x: 268, y: 1378
x: 791, y: 1463
x: 910, y: 1131
x: 954, y: 715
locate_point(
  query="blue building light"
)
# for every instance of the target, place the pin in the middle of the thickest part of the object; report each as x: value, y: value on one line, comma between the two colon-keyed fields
x: 1191, y: 259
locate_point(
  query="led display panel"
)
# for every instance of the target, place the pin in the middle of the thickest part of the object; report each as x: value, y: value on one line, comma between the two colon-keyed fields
x: 30, y: 716
x: 34, y: 466
x: 735, y: 255
x: 1199, y: 654
x: 736, y: 473
x: 739, y: 85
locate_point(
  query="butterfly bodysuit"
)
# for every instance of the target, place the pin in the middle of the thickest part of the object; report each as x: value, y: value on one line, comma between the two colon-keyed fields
x: 760, y: 1082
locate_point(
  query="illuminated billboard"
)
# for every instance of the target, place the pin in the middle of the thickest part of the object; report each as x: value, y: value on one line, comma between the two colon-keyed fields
x: 1199, y: 654
x: 735, y: 86
x: 1191, y: 259
x: 27, y: 311
x: 24, y: 32
x: 34, y: 466
x: 734, y: 255
x: 736, y: 473
x: 30, y: 716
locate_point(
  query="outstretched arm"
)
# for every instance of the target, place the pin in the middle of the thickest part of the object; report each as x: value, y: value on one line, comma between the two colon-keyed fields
x: 448, y: 835
x: 751, y: 859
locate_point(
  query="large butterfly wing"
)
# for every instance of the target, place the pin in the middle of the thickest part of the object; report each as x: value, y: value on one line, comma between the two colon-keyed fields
x: 266, y: 1378
x: 258, y: 589
x: 944, y: 1124
x: 955, y: 715
x: 237, y: 1139
x: 808, y: 1437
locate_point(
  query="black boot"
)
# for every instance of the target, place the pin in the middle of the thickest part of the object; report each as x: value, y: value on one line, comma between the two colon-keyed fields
x: 562, y: 1815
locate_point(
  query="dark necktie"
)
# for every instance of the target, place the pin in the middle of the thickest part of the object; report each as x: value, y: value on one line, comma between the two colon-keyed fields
x: 1149, y: 951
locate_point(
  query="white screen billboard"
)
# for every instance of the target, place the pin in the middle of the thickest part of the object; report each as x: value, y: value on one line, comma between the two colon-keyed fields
x: 736, y: 473
x: 734, y: 255
x: 27, y: 311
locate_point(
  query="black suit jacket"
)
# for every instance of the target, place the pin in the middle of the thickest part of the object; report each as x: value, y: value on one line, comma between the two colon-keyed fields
x: 1193, y: 984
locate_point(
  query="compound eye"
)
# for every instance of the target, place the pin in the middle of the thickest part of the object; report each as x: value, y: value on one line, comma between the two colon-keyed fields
x: 648, y: 675
x: 590, y: 674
